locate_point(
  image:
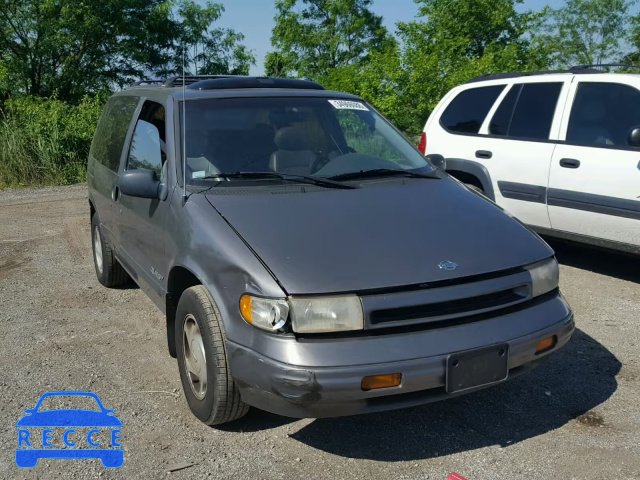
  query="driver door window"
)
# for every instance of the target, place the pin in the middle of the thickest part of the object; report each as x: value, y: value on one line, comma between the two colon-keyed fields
x: 602, y: 115
x: 148, y: 150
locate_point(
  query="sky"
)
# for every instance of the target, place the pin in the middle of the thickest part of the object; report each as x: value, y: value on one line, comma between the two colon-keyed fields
x: 254, y: 18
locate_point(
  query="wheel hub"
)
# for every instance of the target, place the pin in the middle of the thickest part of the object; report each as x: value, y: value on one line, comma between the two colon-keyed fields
x: 97, y: 249
x: 195, y: 361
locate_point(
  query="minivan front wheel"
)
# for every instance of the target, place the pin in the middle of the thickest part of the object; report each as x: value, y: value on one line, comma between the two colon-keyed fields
x: 109, y: 272
x: 207, y: 383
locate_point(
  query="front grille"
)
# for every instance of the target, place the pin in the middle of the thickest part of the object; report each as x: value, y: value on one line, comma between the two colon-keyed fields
x: 450, y: 308
x: 409, y: 327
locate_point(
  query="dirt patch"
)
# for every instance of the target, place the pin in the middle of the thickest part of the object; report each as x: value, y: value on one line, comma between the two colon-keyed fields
x: 78, y: 240
x: 8, y: 266
x: 591, y: 419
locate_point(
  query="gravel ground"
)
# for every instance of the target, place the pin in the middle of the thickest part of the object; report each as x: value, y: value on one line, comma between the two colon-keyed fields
x: 576, y: 416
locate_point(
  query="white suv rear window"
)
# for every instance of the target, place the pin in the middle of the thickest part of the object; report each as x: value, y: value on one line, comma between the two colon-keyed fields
x: 468, y: 110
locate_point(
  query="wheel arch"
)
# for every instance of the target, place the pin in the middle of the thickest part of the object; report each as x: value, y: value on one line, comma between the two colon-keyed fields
x: 92, y: 210
x: 180, y: 278
x: 467, y: 170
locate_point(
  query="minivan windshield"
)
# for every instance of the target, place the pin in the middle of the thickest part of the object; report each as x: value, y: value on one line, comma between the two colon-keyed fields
x: 291, y: 137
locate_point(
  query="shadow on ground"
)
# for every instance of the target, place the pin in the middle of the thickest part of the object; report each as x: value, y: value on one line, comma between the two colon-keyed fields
x: 604, y: 262
x: 563, y: 389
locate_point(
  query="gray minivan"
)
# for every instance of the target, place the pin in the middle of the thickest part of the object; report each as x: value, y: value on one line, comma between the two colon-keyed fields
x: 310, y: 261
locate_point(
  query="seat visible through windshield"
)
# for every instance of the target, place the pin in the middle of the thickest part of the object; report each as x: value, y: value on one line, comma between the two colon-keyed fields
x: 291, y: 135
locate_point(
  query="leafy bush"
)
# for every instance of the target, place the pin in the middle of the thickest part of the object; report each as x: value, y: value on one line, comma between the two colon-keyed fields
x: 46, y: 141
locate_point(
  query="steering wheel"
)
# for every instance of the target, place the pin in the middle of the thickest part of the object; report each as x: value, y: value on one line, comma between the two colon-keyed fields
x: 320, y: 162
x: 325, y: 158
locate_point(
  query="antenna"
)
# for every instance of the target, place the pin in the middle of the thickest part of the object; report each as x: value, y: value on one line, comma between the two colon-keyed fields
x: 184, y: 134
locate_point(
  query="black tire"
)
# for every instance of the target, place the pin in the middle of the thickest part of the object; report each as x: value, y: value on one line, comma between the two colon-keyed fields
x: 474, y: 188
x: 221, y: 402
x: 111, y: 274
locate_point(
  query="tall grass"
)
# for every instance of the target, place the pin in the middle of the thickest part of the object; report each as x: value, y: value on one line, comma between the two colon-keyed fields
x: 44, y: 141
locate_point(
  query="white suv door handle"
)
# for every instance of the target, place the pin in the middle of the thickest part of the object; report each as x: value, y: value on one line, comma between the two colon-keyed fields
x: 484, y: 154
x: 569, y: 163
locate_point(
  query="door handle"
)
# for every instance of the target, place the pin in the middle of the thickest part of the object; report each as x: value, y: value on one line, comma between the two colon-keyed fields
x: 115, y: 194
x: 569, y: 163
x: 484, y: 154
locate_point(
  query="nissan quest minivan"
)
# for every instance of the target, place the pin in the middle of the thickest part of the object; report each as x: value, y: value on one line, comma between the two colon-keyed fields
x: 309, y: 260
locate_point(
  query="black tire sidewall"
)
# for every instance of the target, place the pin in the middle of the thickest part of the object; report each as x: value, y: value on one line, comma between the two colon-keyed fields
x: 190, y: 304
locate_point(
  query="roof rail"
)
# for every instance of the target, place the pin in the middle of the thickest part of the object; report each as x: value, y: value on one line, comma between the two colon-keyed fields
x: 587, y: 68
x: 602, y: 65
x: 212, y: 82
x: 177, y: 80
x: 500, y: 76
x: 147, y: 81
x: 254, y: 82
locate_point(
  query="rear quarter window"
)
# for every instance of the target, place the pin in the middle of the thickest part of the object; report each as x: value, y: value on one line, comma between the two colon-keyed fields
x: 534, y: 112
x: 112, y: 130
x: 527, y: 111
x: 467, y: 111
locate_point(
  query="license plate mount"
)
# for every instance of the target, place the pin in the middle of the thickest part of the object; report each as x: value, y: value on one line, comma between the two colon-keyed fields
x: 476, y: 368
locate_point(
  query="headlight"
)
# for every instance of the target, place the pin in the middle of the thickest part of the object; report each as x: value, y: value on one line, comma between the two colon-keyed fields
x: 265, y: 313
x: 326, y: 314
x: 544, y: 276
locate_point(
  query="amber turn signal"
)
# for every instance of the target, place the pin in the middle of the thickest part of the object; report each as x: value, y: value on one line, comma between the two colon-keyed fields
x: 381, y: 381
x: 245, y: 308
x: 546, y: 344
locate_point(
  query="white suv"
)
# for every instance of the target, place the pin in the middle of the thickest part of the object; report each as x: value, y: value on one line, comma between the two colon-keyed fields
x: 558, y: 150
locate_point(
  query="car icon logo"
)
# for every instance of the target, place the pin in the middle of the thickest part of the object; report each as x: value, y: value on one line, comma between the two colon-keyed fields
x: 69, y: 434
x: 447, y: 265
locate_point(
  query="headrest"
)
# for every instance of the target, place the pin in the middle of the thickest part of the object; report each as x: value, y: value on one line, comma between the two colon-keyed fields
x: 293, y: 138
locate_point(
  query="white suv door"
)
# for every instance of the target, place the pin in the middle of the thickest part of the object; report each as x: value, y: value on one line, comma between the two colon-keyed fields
x: 594, y: 183
x: 506, y: 127
x: 520, y: 133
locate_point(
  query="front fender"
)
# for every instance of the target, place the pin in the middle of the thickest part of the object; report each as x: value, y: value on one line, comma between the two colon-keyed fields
x: 203, y: 243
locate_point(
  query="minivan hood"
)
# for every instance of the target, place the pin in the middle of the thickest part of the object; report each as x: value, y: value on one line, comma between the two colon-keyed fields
x: 390, y: 234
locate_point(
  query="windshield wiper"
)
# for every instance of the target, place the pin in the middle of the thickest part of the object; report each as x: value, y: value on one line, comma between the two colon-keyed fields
x: 380, y: 172
x: 322, y: 182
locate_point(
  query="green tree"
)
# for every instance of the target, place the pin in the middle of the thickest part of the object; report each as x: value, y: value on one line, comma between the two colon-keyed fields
x: 587, y: 31
x: 467, y: 27
x: 209, y: 51
x: 379, y: 80
x: 452, y: 41
x: 313, y: 37
x: 278, y: 64
x: 72, y: 47
x: 77, y: 47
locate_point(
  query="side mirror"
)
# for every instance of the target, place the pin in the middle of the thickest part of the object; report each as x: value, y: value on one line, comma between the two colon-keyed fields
x: 634, y: 137
x: 437, y: 161
x: 141, y: 183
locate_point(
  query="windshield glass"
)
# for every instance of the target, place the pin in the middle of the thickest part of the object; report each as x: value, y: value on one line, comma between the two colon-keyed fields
x: 319, y: 137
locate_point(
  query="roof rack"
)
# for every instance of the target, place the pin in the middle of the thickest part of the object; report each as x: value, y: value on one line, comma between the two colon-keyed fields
x: 254, y: 82
x: 147, y: 81
x: 592, y: 68
x: 212, y: 82
x: 603, y: 65
x: 177, y: 80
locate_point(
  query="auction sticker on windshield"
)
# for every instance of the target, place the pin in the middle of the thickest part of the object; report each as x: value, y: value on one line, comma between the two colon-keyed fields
x: 348, y: 105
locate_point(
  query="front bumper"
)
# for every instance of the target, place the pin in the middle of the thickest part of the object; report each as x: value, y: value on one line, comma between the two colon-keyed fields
x: 312, y: 390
